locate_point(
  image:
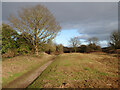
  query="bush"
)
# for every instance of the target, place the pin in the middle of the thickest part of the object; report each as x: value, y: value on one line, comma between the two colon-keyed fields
x: 59, y: 49
x: 118, y: 51
x: 83, y: 48
x: 23, y: 49
x: 10, y: 53
x: 93, y: 47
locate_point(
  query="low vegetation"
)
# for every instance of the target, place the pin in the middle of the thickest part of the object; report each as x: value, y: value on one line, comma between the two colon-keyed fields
x: 13, y: 68
x: 78, y: 70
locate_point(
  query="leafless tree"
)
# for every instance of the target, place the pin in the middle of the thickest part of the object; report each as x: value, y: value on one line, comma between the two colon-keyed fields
x: 74, y: 42
x: 37, y: 22
x: 93, y: 40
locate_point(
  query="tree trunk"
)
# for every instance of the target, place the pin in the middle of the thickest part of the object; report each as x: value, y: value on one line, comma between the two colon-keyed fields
x: 36, y: 43
x: 75, y: 49
x: 36, y: 50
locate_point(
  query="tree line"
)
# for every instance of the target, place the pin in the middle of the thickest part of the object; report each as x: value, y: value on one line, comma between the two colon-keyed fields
x: 93, y: 46
x: 14, y: 44
x: 77, y: 47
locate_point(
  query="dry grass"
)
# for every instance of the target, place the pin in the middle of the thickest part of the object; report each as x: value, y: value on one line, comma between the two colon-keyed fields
x: 15, y: 67
x: 79, y: 70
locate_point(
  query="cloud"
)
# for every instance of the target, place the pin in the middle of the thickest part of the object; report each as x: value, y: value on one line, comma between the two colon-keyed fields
x: 89, y: 18
x: 101, y: 30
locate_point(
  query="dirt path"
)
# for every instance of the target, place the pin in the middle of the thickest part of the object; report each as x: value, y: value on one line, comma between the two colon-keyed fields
x: 26, y: 79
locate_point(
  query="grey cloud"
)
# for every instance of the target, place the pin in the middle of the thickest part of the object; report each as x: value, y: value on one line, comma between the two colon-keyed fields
x: 89, y: 18
x: 0, y: 12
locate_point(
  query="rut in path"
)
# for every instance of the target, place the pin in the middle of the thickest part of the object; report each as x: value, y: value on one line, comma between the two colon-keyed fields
x: 26, y: 79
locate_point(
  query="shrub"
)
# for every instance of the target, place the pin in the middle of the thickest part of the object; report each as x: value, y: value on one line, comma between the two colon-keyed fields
x: 59, y: 49
x: 93, y: 47
x: 23, y: 49
x: 10, y: 53
x: 83, y: 48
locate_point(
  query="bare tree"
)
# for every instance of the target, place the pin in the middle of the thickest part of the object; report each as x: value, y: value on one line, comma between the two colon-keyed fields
x: 37, y: 22
x: 93, y: 40
x: 74, y: 42
x: 115, y: 40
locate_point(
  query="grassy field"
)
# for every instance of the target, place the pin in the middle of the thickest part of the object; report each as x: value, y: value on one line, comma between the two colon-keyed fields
x: 13, y: 68
x: 78, y: 70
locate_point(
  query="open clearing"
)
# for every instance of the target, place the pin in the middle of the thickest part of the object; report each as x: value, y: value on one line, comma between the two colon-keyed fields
x: 78, y: 70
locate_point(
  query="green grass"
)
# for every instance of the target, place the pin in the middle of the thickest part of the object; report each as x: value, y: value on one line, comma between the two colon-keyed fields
x: 86, y: 68
x: 73, y: 69
x: 12, y: 77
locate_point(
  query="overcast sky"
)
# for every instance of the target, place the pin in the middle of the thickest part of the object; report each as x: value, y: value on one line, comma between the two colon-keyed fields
x: 77, y: 19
